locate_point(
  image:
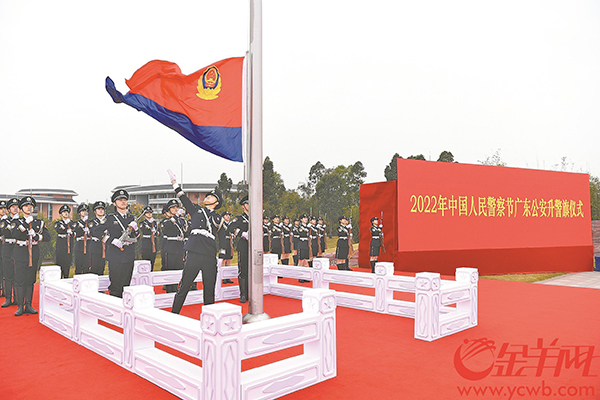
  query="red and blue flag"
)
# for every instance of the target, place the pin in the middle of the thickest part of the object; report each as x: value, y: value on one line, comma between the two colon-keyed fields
x: 204, y: 107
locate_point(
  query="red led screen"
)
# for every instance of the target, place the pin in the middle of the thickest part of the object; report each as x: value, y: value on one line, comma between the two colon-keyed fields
x: 450, y: 206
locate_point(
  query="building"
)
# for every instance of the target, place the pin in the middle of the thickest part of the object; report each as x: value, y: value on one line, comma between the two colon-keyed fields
x: 49, y: 201
x: 156, y: 196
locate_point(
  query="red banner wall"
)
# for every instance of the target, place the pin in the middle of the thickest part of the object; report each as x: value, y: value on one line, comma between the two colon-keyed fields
x: 497, y: 219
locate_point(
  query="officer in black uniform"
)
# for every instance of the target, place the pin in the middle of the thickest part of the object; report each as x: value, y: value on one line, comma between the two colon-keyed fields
x: 173, y: 228
x: 3, y: 218
x: 342, y: 248
x: 239, y: 229
x: 287, y: 240
x: 276, y: 234
x: 149, y: 232
x: 376, y: 232
x: 295, y: 239
x: 321, y: 228
x: 121, y: 235
x: 201, y: 248
x: 304, y: 245
x: 82, y: 236
x: 8, y: 262
x: 97, y: 246
x: 314, y: 240
x: 225, y: 243
x: 266, y: 235
x: 64, y: 241
x: 28, y: 232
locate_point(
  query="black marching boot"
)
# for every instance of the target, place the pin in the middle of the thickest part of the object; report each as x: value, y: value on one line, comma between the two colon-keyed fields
x: 243, y: 283
x: 8, y: 290
x: 20, y: 310
x: 373, y: 266
x: 28, y: 298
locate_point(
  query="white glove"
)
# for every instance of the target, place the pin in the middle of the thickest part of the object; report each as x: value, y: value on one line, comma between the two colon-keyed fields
x: 351, y: 236
x: 28, y: 219
x: 151, y: 220
x: 84, y: 218
x: 31, y: 232
x: 117, y: 243
x: 381, y: 225
x: 86, y: 229
x: 133, y: 225
x: 67, y: 221
x: 181, y: 211
x: 245, y: 235
x: 172, y: 176
x: 69, y: 231
x: 154, y: 230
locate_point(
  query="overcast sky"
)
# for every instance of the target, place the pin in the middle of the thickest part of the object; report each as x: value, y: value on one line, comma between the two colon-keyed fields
x: 344, y: 81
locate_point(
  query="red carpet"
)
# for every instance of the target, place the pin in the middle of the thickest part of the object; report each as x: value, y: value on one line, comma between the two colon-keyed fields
x: 378, y: 358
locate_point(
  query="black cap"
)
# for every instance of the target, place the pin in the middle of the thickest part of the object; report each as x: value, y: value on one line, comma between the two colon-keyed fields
x: 373, y: 219
x: 2, y: 203
x: 99, y: 204
x: 147, y: 209
x: 285, y: 217
x: 170, y: 203
x: 275, y: 216
x: 342, y: 217
x: 119, y: 194
x: 219, y: 197
x: 64, y: 208
x: 27, y: 200
x: 320, y: 219
x: 226, y: 213
x: 296, y: 219
x: 303, y: 216
x: 83, y: 207
x: 11, y: 202
x: 265, y: 217
x: 244, y: 200
x: 311, y: 218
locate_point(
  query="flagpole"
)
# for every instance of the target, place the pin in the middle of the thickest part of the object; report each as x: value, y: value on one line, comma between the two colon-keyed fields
x: 255, y: 259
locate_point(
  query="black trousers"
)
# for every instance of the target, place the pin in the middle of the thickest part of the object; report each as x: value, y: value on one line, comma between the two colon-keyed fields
x: 82, y: 262
x: 24, y: 274
x: 64, y: 260
x: 97, y: 263
x: 172, y: 262
x: 148, y: 254
x: 8, y: 267
x: 194, y: 263
x: 119, y: 274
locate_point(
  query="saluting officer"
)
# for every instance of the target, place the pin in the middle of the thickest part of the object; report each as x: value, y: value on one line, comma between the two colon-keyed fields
x: 201, y: 247
x: 276, y: 233
x: 8, y: 262
x: 225, y: 243
x: 97, y: 246
x: 239, y: 229
x: 343, y: 247
x: 3, y: 218
x: 121, y: 234
x: 173, y: 229
x: 287, y: 240
x: 82, y: 236
x: 64, y: 241
x: 28, y: 232
x: 149, y: 232
x: 376, y: 229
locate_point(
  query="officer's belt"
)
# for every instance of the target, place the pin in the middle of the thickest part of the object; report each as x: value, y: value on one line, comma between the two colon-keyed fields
x: 202, y: 232
x: 147, y: 236
x: 95, y: 239
x: 62, y: 235
x: 375, y: 237
x: 179, y: 238
x: 275, y: 237
x: 10, y: 241
x: 313, y: 237
x: 26, y: 243
x: 303, y: 239
x: 80, y: 238
x: 343, y: 238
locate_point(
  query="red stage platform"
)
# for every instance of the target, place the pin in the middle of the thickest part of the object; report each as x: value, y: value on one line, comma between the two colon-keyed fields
x: 544, y: 338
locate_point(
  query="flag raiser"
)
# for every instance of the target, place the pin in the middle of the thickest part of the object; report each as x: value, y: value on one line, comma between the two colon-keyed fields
x: 204, y: 107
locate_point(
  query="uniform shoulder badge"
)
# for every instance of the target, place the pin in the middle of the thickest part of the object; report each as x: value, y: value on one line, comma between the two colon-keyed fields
x: 209, y: 84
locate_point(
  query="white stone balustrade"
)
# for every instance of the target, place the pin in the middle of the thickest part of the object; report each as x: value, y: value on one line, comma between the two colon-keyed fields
x: 75, y: 308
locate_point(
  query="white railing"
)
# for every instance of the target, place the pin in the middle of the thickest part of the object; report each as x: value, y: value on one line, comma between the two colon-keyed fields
x: 432, y: 311
x: 74, y: 308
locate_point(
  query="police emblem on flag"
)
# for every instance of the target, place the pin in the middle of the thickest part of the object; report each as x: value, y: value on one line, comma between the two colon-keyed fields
x: 209, y: 84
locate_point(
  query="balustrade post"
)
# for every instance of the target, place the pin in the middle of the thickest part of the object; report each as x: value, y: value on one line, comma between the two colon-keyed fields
x: 470, y: 276
x: 427, y: 306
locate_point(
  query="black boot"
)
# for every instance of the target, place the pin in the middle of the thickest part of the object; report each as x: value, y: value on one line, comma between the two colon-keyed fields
x: 28, y: 299
x: 15, y: 299
x: 243, y: 284
x: 20, y: 310
x: 295, y: 260
x: 8, y: 290
x: 373, y: 266
x: 178, y: 302
x: 286, y: 261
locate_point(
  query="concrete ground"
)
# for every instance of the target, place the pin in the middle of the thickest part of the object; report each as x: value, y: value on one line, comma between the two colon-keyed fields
x: 578, y: 279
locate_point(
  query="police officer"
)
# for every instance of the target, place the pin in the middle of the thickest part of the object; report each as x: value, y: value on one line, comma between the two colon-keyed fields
x: 376, y: 232
x: 276, y: 234
x: 97, y: 246
x: 266, y: 234
x: 149, y: 232
x: 225, y: 243
x: 322, y: 235
x: 295, y: 239
x: 3, y: 218
x: 314, y: 240
x: 173, y: 228
x: 8, y: 262
x: 239, y: 229
x: 304, y: 251
x: 342, y: 247
x: 28, y: 232
x: 82, y: 236
x: 121, y: 233
x: 287, y: 240
x: 64, y: 241
x: 201, y: 248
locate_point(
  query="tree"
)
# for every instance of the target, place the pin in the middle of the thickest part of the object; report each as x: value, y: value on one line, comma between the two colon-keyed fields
x: 494, y: 159
x: 314, y: 175
x: 417, y: 157
x: 390, y: 171
x: 595, y: 197
x: 273, y: 187
x: 224, y: 185
x: 446, y: 156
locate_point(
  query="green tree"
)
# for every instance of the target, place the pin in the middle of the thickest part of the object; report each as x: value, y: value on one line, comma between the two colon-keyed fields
x: 314, y: 175
x: 273, y: 187
x: 446, y: 156
x: 390, y: 171
x: 494, y: 159
x: 417, y: 157
x: 595, y: 197
x: 224, y: 185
